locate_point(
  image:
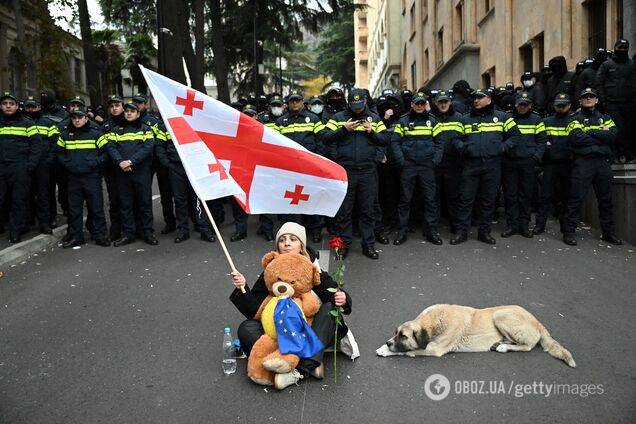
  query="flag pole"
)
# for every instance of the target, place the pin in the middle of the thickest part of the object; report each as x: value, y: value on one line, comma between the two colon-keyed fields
x: 218, y: 236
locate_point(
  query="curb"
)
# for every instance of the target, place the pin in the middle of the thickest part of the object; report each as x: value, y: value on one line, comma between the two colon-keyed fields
x: 25, y: 249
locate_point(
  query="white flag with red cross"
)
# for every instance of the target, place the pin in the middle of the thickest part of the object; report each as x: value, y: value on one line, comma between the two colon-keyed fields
x: 273, y: 173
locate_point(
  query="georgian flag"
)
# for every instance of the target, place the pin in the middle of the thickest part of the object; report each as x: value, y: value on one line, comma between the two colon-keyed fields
x: 264, y: 170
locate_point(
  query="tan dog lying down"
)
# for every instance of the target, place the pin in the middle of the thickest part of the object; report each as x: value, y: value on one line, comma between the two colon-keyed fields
x: 440, y: 329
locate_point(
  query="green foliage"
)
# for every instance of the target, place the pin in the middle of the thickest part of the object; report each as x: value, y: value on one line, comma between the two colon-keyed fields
x: 131, y: 16
x: 336, y: 51
x: 109, y: 59
x: 140, y: 50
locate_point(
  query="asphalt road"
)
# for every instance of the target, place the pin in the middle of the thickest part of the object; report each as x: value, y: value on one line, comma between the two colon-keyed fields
x: 133, y: 335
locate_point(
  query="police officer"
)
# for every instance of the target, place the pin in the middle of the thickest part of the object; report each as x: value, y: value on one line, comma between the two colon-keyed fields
x: 163, y: 179
x: 557, y: 165
x: 351, y: 137
x: 110, y: 170
x: 461, y: 96
x: 588, y: 76
x: 617, y: 88
x: 306, y: 129
x: 41, y: 175
x: 417, y: 152
x: 560, y: 81
x: 81, y: 150
x: 518, y: 166
x: 20, y: 149
x: 487, y: 133
x: 185, y: 199
x: 131, y: 147
x: 334, y: 103
x: 317, y: 107
x: 448, y: 173
x: 591, y: 135
x: 275, y: 111
x: 532, y: 84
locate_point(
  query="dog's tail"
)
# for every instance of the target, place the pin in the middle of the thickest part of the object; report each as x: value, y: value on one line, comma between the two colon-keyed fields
x: 554, y: 348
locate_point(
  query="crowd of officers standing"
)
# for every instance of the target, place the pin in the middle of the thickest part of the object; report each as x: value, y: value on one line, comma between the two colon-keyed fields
x: 410, y: 157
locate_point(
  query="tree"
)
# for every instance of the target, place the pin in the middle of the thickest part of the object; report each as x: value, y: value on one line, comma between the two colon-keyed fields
x: 139, y: 51
x: 131, y: 17
x: 336, y: 51
x: 109, y: 60
x: 89, y: 55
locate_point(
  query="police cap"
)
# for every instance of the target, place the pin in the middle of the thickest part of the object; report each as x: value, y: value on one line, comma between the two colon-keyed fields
x: 480, y: 92
x: 356, y: 98
x: 523, y: 98
x: 77, y: 100
x: 561, y: 99
x: 78, y: 111
x: 295, y: 95
x: 443, y: 95
x: 249, y: 110
x: 8, y: 95
x: 588, y: 92
x: 115, y: 98
x: 131, y: 105
x: 276, y: 100
x: 419, y: 96
x: 315, y: 99
x: 31, y: 101
x: 140, y: 98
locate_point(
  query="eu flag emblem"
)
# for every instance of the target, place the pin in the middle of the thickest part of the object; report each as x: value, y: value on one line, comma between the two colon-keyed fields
x: 294, y: 334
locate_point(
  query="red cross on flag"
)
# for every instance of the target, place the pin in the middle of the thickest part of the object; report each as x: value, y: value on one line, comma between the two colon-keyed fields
x: 273, y: 173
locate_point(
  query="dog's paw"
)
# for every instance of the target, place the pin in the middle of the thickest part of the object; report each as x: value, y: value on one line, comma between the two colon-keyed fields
x: 411, y: 354
x: 383, y: 351
x: 502, y: 348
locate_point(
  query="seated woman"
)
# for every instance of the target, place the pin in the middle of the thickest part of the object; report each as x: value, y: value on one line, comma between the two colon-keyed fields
x: 291, y: 238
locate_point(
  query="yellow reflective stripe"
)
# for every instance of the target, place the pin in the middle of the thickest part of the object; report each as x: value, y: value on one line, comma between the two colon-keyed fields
x: 484, y: 127
x: 293, y: 128
x: 398, y: 129
x: 558, y: 131
x: 42, y: 130
x: 378, y: 126
x: 318, y: 126
x: 509, y: 124
x: 22, y: 131
x: 53, y: 131
x: 334, y: 125
x: 530, y: 129
x: 78, y: 144
x: 271, y: 125
x: 102, y: 141
x: 436, y: 130
x: 420, y: 130
x: 140, y: 135
x: 450, y: 126
x: 60, y: 142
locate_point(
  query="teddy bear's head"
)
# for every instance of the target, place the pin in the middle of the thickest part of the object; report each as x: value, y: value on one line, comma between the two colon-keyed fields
x: 289, y: 274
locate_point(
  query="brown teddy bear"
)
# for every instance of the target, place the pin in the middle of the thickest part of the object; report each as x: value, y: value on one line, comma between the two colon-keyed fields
x: 288, y: 275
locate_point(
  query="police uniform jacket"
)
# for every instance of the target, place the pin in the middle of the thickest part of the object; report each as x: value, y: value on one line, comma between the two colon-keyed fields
x: 617, y: 80
x: 81, y: 150
x: 414, y: 141
x: 266, y: 118
x: 303, y: 127
x: 587, y: 136
x: 531, y: 142
x: 20, y: 144
x: 132, y: 141
x: 450, y: 132
x: 167, y: 153
x: 487, y: 133
x: 112, y: 123
x: 49, y: 134
x: 355, y: 149
x: 557, y: 147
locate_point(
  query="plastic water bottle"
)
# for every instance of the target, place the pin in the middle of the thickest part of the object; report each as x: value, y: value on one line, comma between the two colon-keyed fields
x: 229, y: 352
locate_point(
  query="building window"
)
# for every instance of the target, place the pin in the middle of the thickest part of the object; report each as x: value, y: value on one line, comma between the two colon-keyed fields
x: 539, y: 46
x: 488, y: 78
x: 426, y: 65
x: 439, y: 52
x: 596, y: 25
x: 526, y: 57
x: 414, y: 75
x: 412, y: 20
x: 424, y: 4
x: 77, y: 73
x: 458, y: 25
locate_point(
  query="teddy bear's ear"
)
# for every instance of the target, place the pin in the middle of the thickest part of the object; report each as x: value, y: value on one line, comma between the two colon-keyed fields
x: 270, y: 256
x: 316, y: 276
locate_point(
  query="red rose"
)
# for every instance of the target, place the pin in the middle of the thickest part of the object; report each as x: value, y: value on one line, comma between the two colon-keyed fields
x: 336, y: 243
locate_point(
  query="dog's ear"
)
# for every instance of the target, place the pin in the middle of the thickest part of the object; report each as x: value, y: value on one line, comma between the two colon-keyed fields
x: 421, y: 337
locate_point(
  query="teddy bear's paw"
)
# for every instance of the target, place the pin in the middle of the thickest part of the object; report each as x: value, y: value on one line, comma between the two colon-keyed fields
x: 277, y: 365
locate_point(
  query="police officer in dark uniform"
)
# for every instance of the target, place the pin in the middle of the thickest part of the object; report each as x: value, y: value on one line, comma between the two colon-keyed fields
x: 41, y: 175
x: 185, y: 198
x: 81, y: 150
x: 591, y: 135
x: 110, y: 170
x: 351, y: 137
x: 20, y: 148
x: 532, y: 84
x: 306, y: 129
x: 417, y: 152
x: 557, y: 164
x: 617, y: 88
x: 487, y: 133
x: 131, y: 147
x: 518, y: 166
x: 588, y: 76
x: 334, y: 103
x: 449, y: 172
x: 560, y: 81
x: 317, y: 107
x: 163, y: 178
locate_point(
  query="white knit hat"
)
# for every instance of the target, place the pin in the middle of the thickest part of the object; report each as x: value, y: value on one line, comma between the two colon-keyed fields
x: 295, y: 229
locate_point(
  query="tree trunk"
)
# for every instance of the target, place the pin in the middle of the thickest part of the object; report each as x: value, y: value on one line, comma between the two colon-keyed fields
x: 199, y: 53
x: 196, y: 74
x: 20, y: 47
x: 173, y: 58
x: 89, y: 56
x: 218, y: 49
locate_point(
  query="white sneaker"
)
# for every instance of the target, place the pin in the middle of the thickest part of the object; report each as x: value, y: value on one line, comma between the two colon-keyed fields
x: 318, y: 372
x: 282, y: 381
x: 349, y: 346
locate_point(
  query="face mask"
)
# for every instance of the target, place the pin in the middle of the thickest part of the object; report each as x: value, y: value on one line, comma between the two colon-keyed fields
x: 621, y: 54
x: 317, y: 108
x: 277, y: 111
x: 528, y: 83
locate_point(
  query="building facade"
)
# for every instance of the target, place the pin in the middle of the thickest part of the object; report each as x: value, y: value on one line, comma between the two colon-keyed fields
x: 492, y: 42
